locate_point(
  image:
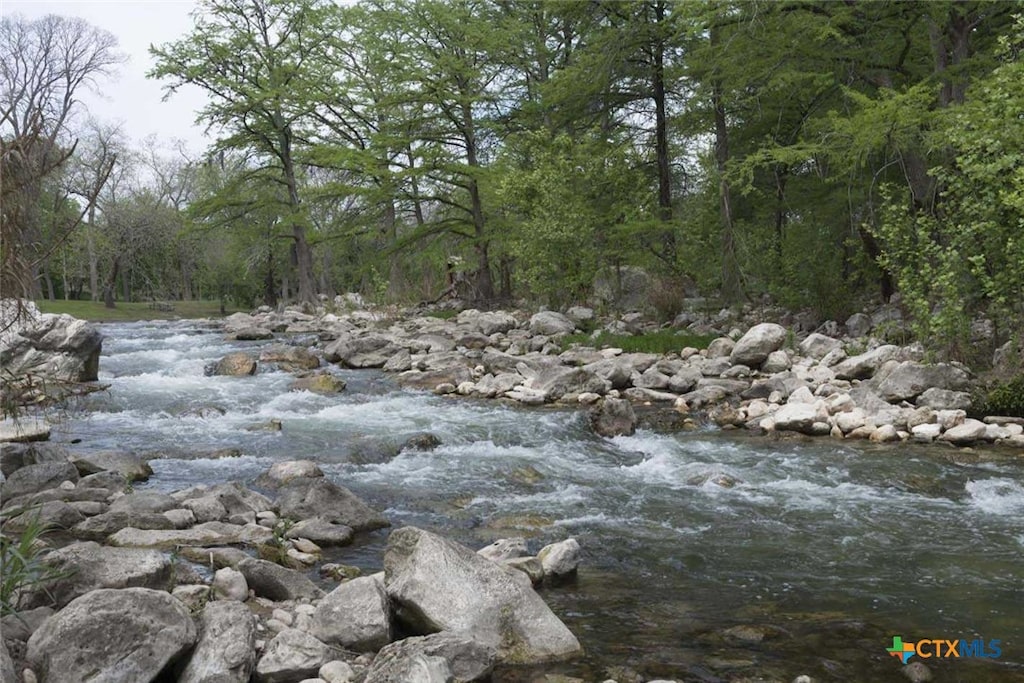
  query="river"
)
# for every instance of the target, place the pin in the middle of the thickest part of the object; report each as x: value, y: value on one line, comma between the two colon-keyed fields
x: 818, y: 555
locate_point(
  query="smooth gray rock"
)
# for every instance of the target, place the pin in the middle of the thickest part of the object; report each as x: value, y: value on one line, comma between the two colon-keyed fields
x: 112, y: 481
x: 355, y: 615
x: 237, y: 364
x: 557, y: 381
x: 321, y: 531
x: 440, y: 585
x: 132, y: 467
x: 210, y: 533
x: 144, y: 501
x: 230, y: 584
x: 274, y: 582
x: 24, y: 623
x: 865, y: 364
x: 290, y: 358
x: 305, y: 498
x: 561, y: 559
x: 292, y: 656
x: 466, y: 658
x: 613, y: 417
x: 112, y: 635
x: 34, y: 478
x: 371, y: 351
x: 14, y: 456
x: 966, y: 433
x: 88, y: 566
x: 817, y: 346
x: 944, y: 399
x: 550, y: 323
x: 54, y: 514
x: 225, y: 652
x: 99, y: 527
x: 504, y: 549
x: 280, y: 473
x: 908, y: 380
x: 753, y: 348
x: 796, y: 417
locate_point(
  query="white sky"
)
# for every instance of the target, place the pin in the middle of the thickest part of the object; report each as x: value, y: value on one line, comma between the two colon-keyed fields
x: 130, y: 97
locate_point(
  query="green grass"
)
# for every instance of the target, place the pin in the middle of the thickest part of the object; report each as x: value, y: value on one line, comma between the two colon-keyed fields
x: 662, y: 341
x: 129, y: 312
x: 443, y: 314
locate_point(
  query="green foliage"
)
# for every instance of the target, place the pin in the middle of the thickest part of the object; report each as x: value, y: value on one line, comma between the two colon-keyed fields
x: 21, y: 566
x: 1006, y: 399
x: 662, y: 341
x: 569, y: 205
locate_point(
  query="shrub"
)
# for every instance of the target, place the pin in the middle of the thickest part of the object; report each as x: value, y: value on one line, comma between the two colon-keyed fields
x: 1006, y: 398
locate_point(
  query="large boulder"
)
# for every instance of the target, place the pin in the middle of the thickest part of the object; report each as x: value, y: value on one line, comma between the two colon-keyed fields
x: 361, y: 352
x: 321, y: 531
x: 466, y: 659
x: 24, y: 430
x: 864, y: 365
x: 306, y: 498
x: 799, y: 417
x: 559, y: 381
x: 226, y: 649
x: 237, y: 364
x: 550, y: 323
x: 112, y: 635
x: 14, y: 456
x: 53, y: 514
x: 908, y: 380
x: 49, y: 346
x: 488, y: 322
x: 33, y: 478
x: 613, y: 417
x: 290, y: 358
x: 88, y: 566
x: 210, y: 533
x: 560, y: 560
x: 753, y: 348
x: 355, y: 615
x: 817, y: 346
x: 99, y: 527
x: 439, y: 585
x: 131, y: 466
x: 944, y: 399
x: 274, y: 582
x: 292, y: 655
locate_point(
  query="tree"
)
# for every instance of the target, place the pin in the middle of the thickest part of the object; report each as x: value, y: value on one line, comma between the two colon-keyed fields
x: 44, y: 65
x: 249, y: 56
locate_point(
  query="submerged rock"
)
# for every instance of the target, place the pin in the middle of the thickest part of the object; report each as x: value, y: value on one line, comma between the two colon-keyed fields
x: 238, y: 364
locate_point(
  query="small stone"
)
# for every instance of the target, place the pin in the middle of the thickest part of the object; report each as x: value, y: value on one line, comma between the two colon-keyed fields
x: 230, y: 584
x: 337, y: 671
x: 917, y: 672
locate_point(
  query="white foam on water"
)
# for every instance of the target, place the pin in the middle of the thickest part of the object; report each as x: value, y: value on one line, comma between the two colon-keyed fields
x: 1004, y: 497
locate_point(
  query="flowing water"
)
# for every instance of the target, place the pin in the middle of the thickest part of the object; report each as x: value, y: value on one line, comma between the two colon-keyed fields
x: 818, y: 555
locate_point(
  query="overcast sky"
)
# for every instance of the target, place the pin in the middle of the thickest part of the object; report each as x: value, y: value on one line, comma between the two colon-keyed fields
x: 130, y: 97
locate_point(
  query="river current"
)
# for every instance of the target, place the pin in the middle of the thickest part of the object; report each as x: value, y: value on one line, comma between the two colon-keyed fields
x: 810, y: 563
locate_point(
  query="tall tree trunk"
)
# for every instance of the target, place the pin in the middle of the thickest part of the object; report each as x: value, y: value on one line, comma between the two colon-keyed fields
x: 303, y: 252
x: 48, y: 279
x: 90, y: 246
x: 126, y: 285
x: 668, y: 237
x: 781, y: 173
x: 732, y: 290
x: 111, y: 283
x: 269, y: 282
x: 484, y: 283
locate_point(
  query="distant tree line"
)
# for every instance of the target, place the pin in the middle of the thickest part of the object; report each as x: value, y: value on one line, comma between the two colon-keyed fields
x: 818, y: 152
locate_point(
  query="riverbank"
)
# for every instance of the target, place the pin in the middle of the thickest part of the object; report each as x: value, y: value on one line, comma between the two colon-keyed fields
x: 96, y: 312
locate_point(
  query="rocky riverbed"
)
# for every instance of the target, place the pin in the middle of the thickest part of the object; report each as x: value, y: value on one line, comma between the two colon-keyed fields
x: 256, y: 559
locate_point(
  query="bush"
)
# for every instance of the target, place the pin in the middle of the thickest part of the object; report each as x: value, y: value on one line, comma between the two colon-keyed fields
x: 1006, y: 399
